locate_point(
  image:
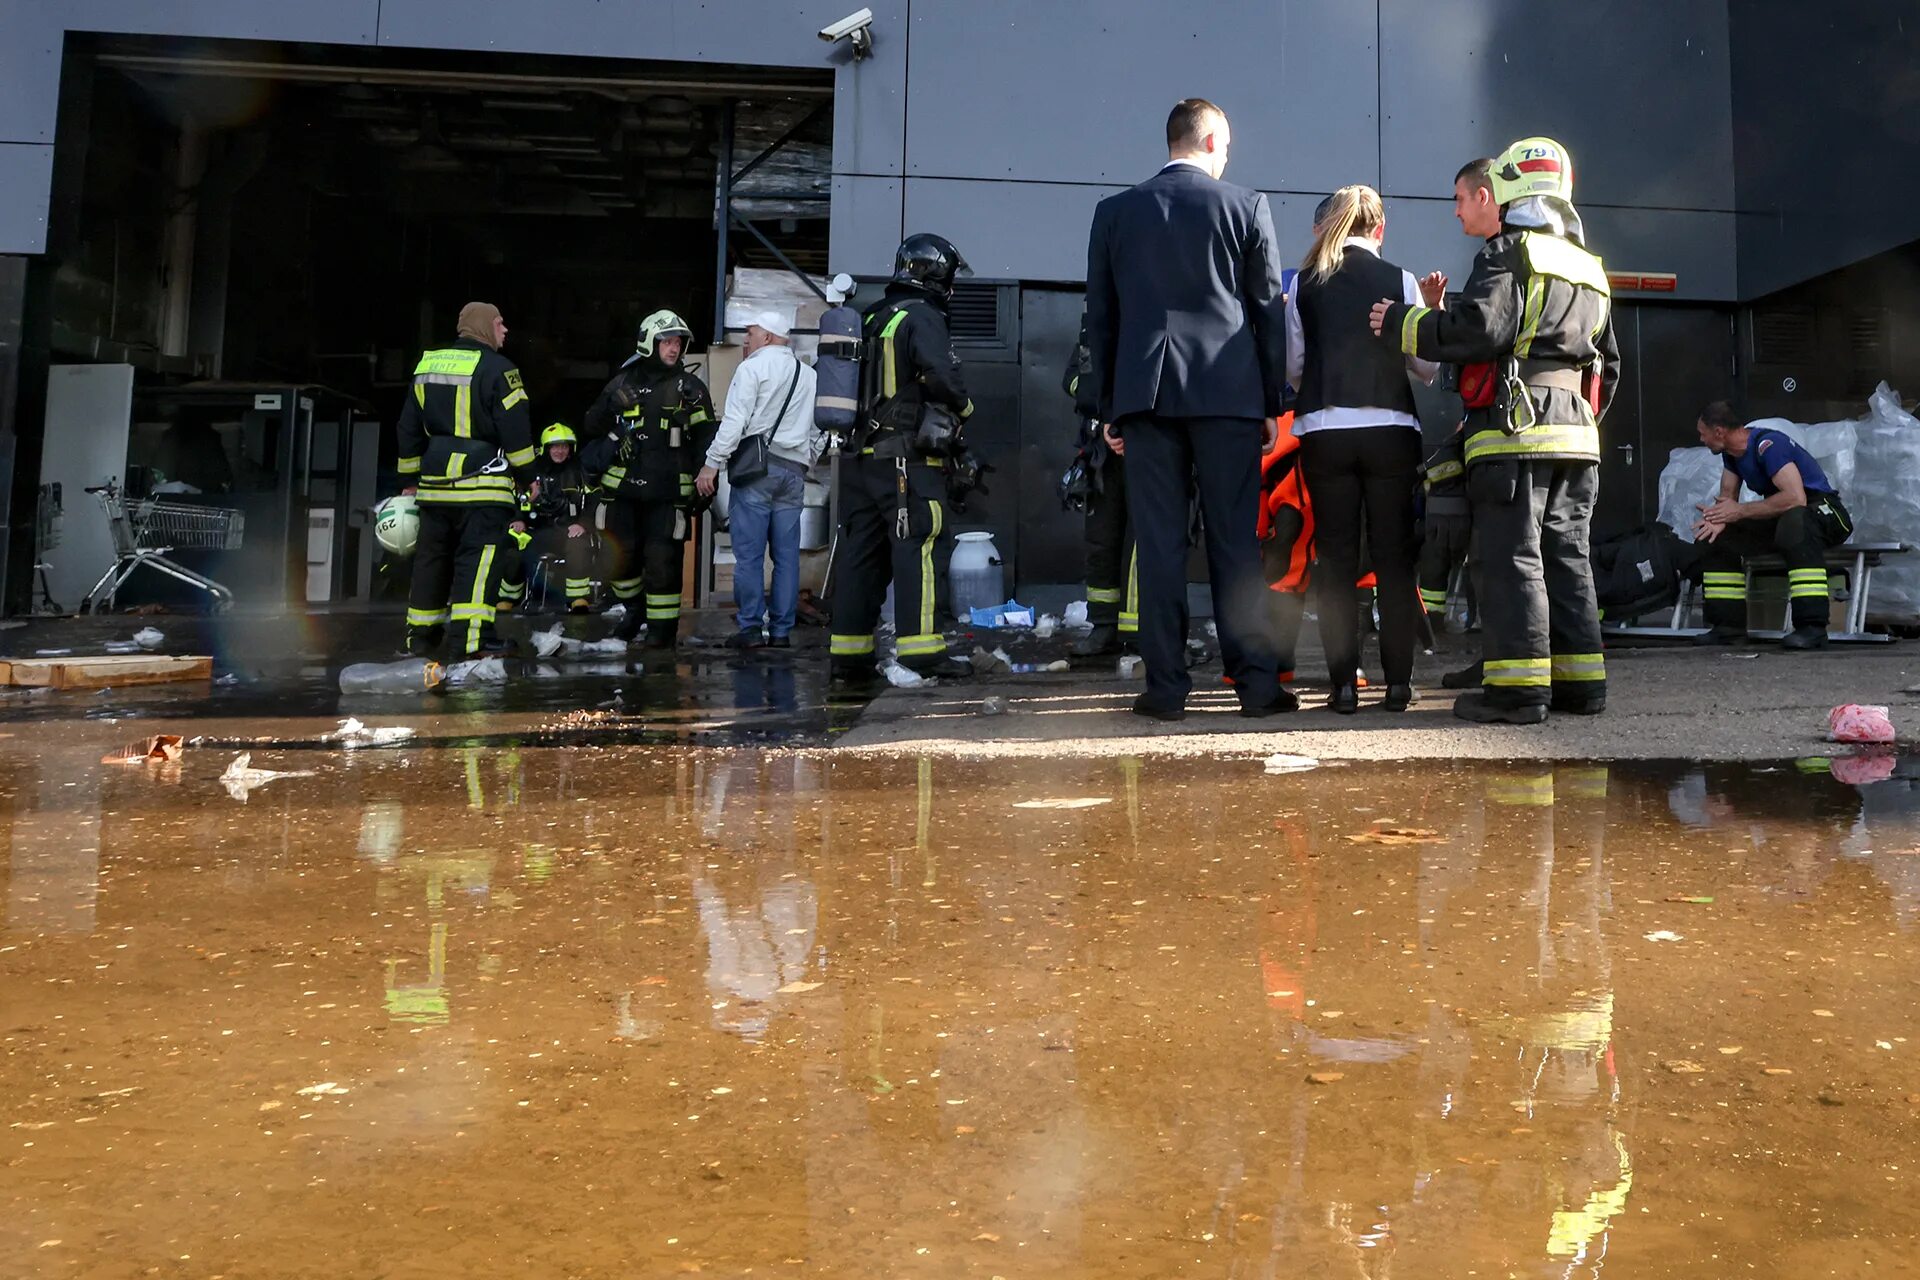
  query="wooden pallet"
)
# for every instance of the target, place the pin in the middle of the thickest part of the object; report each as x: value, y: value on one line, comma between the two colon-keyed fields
x: 101, y: 672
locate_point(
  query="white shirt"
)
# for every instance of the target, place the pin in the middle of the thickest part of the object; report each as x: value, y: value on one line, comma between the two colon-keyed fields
x: 1334, y: 417
x: 754, y: 396
x: 1189, y: 162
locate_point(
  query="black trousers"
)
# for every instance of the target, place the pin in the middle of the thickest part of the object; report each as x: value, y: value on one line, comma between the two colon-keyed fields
x: 1166, y: 457
x: 1361, y: 480
x: 1801, y: 536
x: 887, y: 538
x: 456, y: 572
x: 1540, y: 624
x: 567, y: 558
x: 1113, y: 579
x: 643, y: 542
x: 1444, y: 538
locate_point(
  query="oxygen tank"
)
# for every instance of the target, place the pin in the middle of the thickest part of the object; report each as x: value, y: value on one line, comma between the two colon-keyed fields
x: 836, y: 397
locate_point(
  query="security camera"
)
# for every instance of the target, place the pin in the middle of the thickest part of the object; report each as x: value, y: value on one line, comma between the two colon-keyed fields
x: 856, y: 29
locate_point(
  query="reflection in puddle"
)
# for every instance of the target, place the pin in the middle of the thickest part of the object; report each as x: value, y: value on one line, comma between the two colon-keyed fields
x: 803, y: 1014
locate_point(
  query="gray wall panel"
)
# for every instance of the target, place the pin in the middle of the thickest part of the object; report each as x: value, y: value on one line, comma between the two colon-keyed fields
x: 756, y: 32
x: 26, y: 175
x: 1078, y: 90
x: 1827, y: 101
x: 30, y: 43
x: 1643, y: 97
x: 1698, y: 247
x: 866, y: 225
x: 870, y: 98
x: 323, y: 22
x: 1009, y: 230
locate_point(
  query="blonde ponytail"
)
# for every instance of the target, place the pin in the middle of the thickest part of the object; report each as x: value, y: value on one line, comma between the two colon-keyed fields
x: 1352, y: 211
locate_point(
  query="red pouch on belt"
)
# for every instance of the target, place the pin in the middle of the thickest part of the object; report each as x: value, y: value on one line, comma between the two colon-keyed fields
x: 1477, y: 384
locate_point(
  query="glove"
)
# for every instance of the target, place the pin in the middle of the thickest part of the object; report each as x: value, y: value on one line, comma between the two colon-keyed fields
x: 625, y: 396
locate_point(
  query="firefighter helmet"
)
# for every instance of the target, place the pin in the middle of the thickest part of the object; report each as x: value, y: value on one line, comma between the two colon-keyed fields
x: 661, y: 324
x: 396, y: 524
x: 558, y: 433
x: 929, y: 262
x: 1532, y: 167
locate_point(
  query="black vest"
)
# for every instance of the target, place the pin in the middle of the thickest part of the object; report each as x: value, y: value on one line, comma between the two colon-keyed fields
x: 1347, y: 367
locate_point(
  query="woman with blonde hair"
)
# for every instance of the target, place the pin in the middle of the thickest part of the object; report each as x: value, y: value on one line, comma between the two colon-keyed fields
x: 1359, y: 440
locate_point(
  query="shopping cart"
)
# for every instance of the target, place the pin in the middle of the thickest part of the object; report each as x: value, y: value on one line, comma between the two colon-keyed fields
x: 145, y: 529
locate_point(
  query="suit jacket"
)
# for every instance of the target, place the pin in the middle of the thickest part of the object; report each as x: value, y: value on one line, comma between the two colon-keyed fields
x: 1186, y: 314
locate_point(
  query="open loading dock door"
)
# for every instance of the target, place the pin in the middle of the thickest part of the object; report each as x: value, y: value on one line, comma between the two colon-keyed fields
x: 234, y: 216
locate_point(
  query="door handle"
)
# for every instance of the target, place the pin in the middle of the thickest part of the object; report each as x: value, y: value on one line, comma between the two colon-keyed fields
x: 1628, y: 450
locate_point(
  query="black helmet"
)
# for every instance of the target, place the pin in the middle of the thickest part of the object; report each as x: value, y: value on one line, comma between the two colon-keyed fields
x: 929, y: 262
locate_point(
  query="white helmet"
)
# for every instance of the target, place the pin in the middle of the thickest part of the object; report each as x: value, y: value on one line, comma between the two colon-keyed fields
x: 396, y: 524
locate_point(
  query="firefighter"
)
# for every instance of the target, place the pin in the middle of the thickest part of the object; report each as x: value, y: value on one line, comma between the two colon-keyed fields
x: 1096, y: 482
x: 557, y: 508
x: 892, y: 482
x: 651, y: 427
x: 1534, y: 325
x: 465, y: 434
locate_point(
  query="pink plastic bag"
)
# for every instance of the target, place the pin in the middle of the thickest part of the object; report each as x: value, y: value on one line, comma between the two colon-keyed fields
x: 1855, y: 723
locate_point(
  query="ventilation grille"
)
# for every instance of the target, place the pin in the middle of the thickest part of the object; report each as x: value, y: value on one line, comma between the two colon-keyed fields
x: 1783, y: 336
x: 974, y: 314
x: 1867, y: 339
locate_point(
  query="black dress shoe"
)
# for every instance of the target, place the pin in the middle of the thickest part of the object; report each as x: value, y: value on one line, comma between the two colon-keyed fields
x: 752, y: 639
x: 1465, y: 678
x: 1102, y: 639
x: 1803, y: 638
x: 1345, y: 700
x: 1399, y: 697
x: 1475, y: 707
x: 1283, y: 701
x: 779, y: 642
x: 1145, y: 706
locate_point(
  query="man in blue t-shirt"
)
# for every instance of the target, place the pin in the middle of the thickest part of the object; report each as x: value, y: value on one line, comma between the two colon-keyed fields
x: 1798, y: 515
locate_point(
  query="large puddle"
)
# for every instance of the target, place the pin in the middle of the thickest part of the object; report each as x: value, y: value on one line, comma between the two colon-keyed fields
x: 627, y: 1012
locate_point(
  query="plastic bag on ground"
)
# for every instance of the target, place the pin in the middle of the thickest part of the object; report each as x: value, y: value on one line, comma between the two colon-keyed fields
x: 548, y: 643
x: 1885, y: 504
x: 476, y: 671
x: 1045, y: 626
x: 149, y: 638
x: 1852, y: 722
x: 1076, y: 615
x: 1284, y: 763
x: 902, y: 678
x: 353, y: 733
x: 241, y: 778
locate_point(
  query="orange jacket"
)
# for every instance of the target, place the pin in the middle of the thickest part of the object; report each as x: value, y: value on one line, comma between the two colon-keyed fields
x: 1286, y: 515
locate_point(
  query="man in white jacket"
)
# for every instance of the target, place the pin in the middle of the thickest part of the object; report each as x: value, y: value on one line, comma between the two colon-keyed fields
x: 771, y: 395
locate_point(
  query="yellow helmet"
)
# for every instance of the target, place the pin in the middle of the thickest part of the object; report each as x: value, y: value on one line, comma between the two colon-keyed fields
x: 558, y: 433
x: 1532, y: 167
x: 660, y: 324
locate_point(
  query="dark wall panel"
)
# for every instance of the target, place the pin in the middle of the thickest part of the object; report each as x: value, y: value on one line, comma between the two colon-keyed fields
x: 1827, y: 101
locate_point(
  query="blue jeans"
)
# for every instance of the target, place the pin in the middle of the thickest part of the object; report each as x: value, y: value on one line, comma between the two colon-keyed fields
x: 767, y: 511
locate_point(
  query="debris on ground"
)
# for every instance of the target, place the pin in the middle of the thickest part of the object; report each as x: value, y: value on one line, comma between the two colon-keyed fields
x: 476, y: 671
x: 352, y: 733
x: 241, y: 777
x: 1076, y: 616
x: 1284, y: 763
x: 1034, y: 668
x: 995, y: 617
x: 1663, y: 935
x: 104, y: 672
x: 903, y: 678
x: 993, y: 705
x: 1398, y: 835
x: 1697, y: 901
x: 409, y: 675
x: 1325, y: 1077
x: 1064, y: 802
x: 161, y: 748
x: 1683, y: 1067
x: 1044, y: 627
x: 1129, y: 666
x: 1852, y: 722
x: 990, y: 664
x: 149, y: 638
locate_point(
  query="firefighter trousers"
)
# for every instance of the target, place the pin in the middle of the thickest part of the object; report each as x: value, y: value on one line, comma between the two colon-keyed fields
x: 1113, y: 564
x: 889, y: 534
x: 1540, y: 624
x: 645, y: 564
x: 560, y: 557
x: 1800, y: 536
x: 456, y: 573
x: 1444, y: 535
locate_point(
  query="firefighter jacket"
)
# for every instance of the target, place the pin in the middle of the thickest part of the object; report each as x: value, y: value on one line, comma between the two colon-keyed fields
x: 653, y: 424
x: 565, y: 496
x: 1536, y: 307
x: 910, y: 364
x: 466, y: 431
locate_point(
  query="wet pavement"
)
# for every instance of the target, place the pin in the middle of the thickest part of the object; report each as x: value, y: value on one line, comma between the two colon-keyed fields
x: 627, y: 1011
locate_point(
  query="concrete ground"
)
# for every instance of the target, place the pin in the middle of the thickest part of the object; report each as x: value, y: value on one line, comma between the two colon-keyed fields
x: 1664, y: 702
x: 279, y: 683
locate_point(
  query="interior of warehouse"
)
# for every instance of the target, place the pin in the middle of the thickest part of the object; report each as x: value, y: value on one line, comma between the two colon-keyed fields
x: 266, y: 237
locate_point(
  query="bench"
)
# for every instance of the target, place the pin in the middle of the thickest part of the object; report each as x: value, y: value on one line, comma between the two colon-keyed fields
x: 1855, y: 561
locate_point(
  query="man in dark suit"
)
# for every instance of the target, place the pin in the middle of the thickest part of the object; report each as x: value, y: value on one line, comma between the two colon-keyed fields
x: 1187, y: 337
